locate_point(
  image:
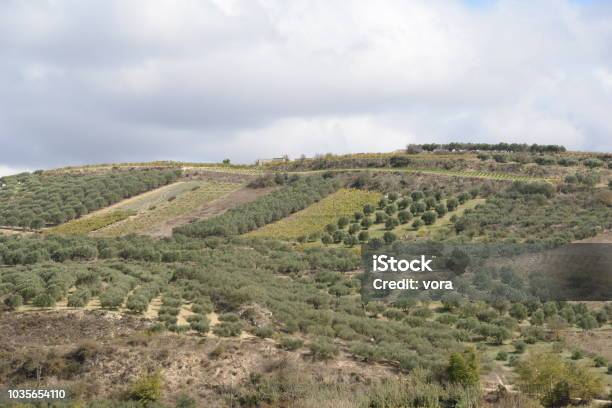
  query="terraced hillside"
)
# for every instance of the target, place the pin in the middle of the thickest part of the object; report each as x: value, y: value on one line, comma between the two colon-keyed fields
x: 312, y: 219
x: 35, y: 200
x: 159, y: 209
x: 443, y: 172
x: 90, y: 222
x: 257, y: 297
x: 124, y: 208
x: 294, y: 196
x: 210, y: 209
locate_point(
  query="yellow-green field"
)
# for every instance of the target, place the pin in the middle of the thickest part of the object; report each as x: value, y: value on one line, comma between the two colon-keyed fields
x: 92, y: 223
x: 172, y: 207
x: 406, y: 231
x: 313, y: 219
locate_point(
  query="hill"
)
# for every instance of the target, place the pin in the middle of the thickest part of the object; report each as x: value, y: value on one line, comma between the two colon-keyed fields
x: 184, y: 284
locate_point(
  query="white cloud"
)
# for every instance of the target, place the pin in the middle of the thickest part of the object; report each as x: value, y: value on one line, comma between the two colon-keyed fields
x: 319, y: 135
x: 7, y: 171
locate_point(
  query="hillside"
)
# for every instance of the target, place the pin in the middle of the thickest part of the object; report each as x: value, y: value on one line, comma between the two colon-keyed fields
x: 185, y: 284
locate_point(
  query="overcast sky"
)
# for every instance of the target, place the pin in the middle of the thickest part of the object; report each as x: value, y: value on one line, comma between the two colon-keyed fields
x: 202, y: 80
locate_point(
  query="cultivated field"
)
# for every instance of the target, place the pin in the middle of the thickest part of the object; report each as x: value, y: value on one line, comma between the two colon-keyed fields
x: 188, y: 201
x: 444, y: 172
x: 210, y: 209
x: 123, y: 209
x: 91, y: 223
x: 151, y: 199
x: 313, y: 218
x: 437, y: 230
x: 226, y: 294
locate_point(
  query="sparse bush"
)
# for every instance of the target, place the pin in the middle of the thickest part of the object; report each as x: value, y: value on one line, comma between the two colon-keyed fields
x: 147, y: 388
x: 520, y: 347
x: 228, y: 329
x: 404, y: 216
x: 501, y: 356
x: 13, y: 301
x: 599, y: 361
x: 389, y: 237
x: 291, y: 343
x: 264, y: 332
x: 323, y: 349
x: 464, y: 368
x: 577, y: 355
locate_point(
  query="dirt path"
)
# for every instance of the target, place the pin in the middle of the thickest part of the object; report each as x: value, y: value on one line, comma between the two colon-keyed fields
x: 153, y: 308
x: 15, y: 231
x: 184, y: 313
x: 211, y: 209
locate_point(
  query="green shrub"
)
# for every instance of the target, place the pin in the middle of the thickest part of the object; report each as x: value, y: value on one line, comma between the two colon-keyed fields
x: 599, y: 361
x: 342, y: 222
x: 354, y: 228
x: 501, y: 356
x: 520, y: 347
x: 229, y: 317
x: 513, y: 360
x: 264, y: 331
x: 323, y: 349
x: 228, y: 329
x: 389, y: 237
x: 147, y: 388
x: 291, y: 343
x: 202, y: 307
x: 404, y: 216
x: 13, y: 301
x: 43, y: 300
x: 171, y: 301
x: 464, y: 368
x: 201, y: 326
x: 577, y: 355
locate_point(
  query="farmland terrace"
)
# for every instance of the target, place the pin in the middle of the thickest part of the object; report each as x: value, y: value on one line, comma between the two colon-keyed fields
x: 184, y: 284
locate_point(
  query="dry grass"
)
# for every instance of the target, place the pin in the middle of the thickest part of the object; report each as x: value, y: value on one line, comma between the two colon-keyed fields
x: 186, y: 202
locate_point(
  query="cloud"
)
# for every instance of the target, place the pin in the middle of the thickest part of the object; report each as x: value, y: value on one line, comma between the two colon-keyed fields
x: 6, y: 171
x: 105, y: 81
x: 319, y: 135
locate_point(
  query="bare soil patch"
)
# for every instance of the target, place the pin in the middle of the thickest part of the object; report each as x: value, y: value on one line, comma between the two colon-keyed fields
x: 204, y: 367
x: 15, y: 231
x: 595, y: 341
x: 184, y: 313
x: 50, y: 328
x: 153, y: 308
x: 211, y: 209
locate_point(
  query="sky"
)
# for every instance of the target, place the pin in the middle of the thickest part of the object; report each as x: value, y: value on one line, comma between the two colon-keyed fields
x: 103, y: 81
